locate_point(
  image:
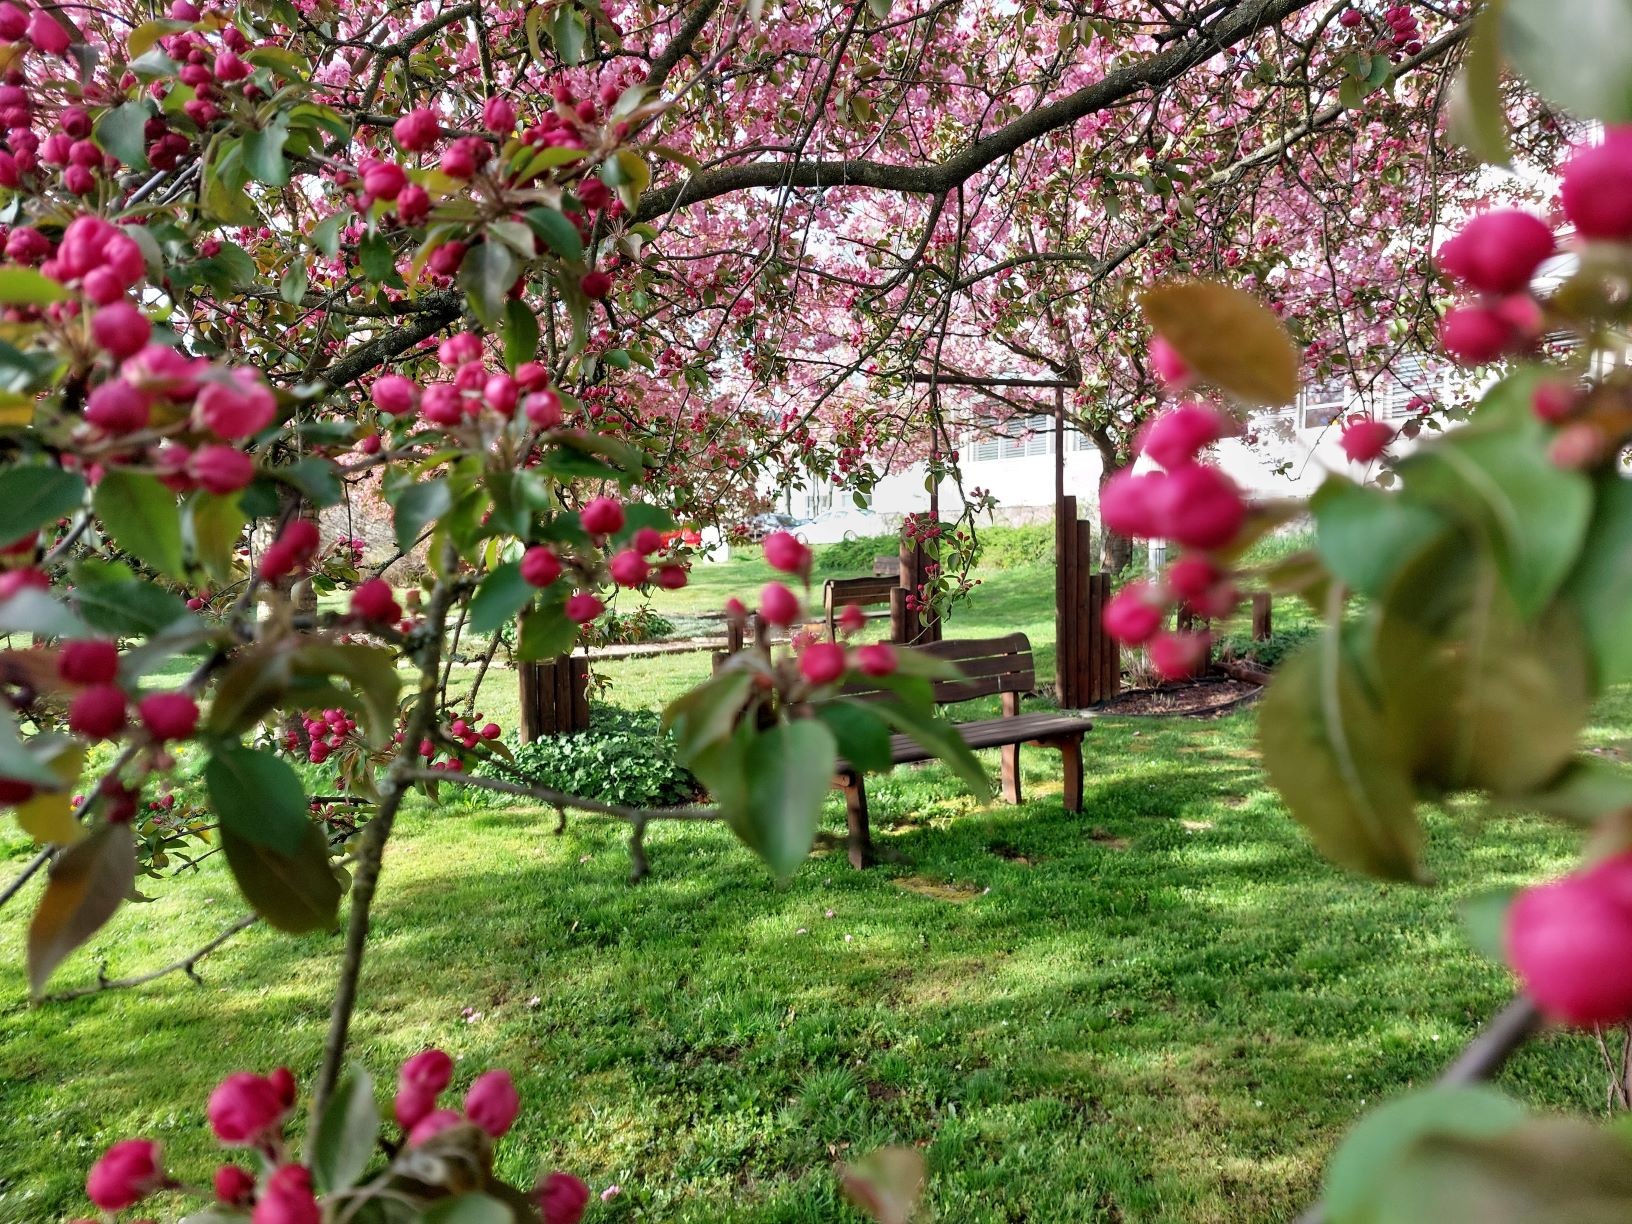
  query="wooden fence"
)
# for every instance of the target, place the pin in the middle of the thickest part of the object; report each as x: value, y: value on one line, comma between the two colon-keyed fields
x: 1088, y: 661
x: 554, y: 697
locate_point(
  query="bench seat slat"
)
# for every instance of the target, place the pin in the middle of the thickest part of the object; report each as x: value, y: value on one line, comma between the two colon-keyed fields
x: 990, y: 733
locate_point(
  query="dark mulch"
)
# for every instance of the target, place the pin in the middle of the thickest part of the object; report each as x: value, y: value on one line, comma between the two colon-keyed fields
x: 1208, y: 695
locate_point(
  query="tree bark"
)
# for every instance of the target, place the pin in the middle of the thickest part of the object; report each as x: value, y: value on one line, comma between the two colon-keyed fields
x: 1115, y: 551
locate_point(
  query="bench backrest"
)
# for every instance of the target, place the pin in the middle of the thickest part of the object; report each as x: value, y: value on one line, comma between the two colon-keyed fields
x: 863, y: 592
x: 990, y: 666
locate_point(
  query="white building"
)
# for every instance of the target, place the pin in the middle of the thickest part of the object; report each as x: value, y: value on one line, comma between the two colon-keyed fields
x: 1283, y: 453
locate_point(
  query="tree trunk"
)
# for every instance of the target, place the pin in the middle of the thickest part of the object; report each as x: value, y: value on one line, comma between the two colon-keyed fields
x: 1115, y: 551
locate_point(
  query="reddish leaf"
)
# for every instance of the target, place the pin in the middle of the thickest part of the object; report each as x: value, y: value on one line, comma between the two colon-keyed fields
x: 87, y: 884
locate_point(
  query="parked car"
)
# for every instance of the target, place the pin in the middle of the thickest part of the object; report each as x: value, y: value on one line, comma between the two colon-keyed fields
x: 761, y: 525
x: 838, y: 525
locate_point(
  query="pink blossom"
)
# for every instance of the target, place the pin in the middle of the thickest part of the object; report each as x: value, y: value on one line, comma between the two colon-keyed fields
x: 128, y: 1172
x: 1567, y: 941
x: 493, y: 1103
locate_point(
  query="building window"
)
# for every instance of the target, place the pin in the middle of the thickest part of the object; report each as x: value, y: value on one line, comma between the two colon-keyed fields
x: 1017, y: 438
x: 1319, y: 404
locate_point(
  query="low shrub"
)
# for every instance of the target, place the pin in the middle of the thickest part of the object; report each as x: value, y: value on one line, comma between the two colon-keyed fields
x: 1003, y: 547
x: 644, y: 624
x: 854, y: 557
x: 1267, y: 652
x: 632, y: 766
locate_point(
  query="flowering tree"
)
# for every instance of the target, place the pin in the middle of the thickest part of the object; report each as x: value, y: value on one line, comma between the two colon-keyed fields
x: 255, y: 260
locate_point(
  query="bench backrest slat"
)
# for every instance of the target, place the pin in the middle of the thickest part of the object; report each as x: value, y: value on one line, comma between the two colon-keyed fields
x: 989, y: 665
x: 836, y: 592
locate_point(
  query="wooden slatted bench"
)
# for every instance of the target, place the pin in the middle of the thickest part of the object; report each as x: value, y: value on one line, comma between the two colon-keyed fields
x: 866, y: 592
x: 1001, y: 666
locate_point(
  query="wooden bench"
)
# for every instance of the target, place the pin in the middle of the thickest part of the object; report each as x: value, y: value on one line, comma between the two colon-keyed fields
x: 864, y: 593
x: 1001, y: 666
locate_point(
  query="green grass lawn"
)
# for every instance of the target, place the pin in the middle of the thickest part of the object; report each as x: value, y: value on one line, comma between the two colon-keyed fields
x: 1167, y: 1009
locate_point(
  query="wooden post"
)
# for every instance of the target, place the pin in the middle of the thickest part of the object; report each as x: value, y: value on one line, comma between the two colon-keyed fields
x: 898, y: 615
x: 1065, y: 609
x: 554, y: 697
x: 1261, y: 624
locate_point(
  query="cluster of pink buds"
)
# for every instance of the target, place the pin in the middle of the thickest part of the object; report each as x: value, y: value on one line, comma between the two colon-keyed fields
x: 1404, y: 34
x: 252, y: 1111
x: 215, y: 72
x: 1188, y: 502
x: 325, y: 732
x: 632, y: 566
x: 471, y: 391
x: 822, y: 662
x: 1496, y: 255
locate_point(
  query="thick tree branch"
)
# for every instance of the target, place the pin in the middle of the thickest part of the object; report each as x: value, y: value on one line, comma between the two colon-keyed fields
x: 938, y: 178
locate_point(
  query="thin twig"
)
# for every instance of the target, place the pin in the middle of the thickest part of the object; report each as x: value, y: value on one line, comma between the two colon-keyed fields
x: 27, y: 873
x: 560, y: 799
x: 186, y: 964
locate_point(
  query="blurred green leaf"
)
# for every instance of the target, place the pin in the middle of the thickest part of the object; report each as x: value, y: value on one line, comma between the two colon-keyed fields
x: 141, y: 516
x: 33, y: 496
x: 1576, y: 55
x: 343, y: 1143
x: 501, y: 596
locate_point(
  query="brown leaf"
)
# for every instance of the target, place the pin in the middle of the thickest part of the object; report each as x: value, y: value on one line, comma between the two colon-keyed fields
x: 887, y: 1186
x: 1229, y: 338
x: 87, y: 884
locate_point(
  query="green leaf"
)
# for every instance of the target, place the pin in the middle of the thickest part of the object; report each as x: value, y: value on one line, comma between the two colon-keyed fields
x: 467, y: 1209
x: 17, y: 761
x: 292, y: 892
x: 87, y: 884
x: 569, y: 34
x: 707, y: 713
x: 325, y: 234
x: 31, y: 497
x: 37, y: 612
x: 940, y: 737
x: 1329, y: 751
x: 1578, y: 56
x: 1501, y: 482
x: 259, y: 797
x: 128, y: 609
x: 416, y: 506
x: 222, y: 196
x: 1370, y: 1154
x: 558, y: 233
x: 263, y: 152
x: 121, y: 132
x: 318, y: 479
x: 520, y: 334
x: 370, y: 670
x: 1586, y: 791
x: 1478, y: 119
x: 294, y: 284
x: 1364, y: 535
x: 789, y: 770
x: 1484, y: 917
x: 488, y: 271
x: 142, y: 517
x: 1600, y: 587
x: 21, y: 286
x: 344, y: 1141
x: 215, y: 525
x: 863, y: 737
x: 502, y: 595
x: 378, y: 260
x: 546, y: 633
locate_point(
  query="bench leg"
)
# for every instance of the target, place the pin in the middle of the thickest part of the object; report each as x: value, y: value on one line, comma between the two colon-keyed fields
x: 1009, y: 755
x: 855, y: 815
x: 1071, y: 757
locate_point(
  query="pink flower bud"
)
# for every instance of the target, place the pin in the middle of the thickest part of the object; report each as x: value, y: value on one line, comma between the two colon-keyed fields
x: 1175, y: 437
x: 46, y: 34
x: 562, y: 1198
x: 13, y: 22
x: 501, y: 393
x: 236, y: 408
x: 543, y: 409
x: 245, y: 1109
x: 413, y: 204
x: 432, y: 1125
x: 1365, y: 438
x: 384, y: 180
x: 88, y: 661
x: 97, y: 712
x: 412, y: 1105
x: 418, y: 130
x: 646, y: 541
x: 1498, y: 251
x: 822, y: 662
x: 220, y: 469
x: 121, y: 329
x: 117, y: 408
x: 1567, y: 942
x: 498, y: 116
x: 234, y: 1186
x: 288, y: 1199
x: 458, y: 161
x: 778, y: 605
x: 1176, y: 656
x: 430, y: 1069
x: 1554, y: 401
x: 1576, y: 447
x: 1597, y: 188
x: 1172, y: 369
x: 595, y: 284
x: 1134, y: 614
x: 168, y: 716
x: 492, y: 1102
x: 1199, y: 507
x: 628, y: 568
x: 602, y: 516
x: 1128, y: 504
x: 783, y: 551
x: 128, y: 1172
x: 540, y: 566
x: 1475, y: 335
x: 374, y: 600
x: 671, y: 577
x: 583, y: 607
x: 876, y: 659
